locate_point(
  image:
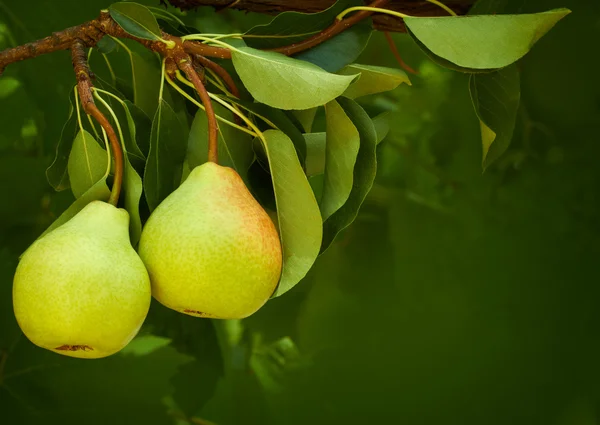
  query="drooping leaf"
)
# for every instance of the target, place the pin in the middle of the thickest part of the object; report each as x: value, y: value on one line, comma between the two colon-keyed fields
x: 315, y: 153
x: 143, y: 127
x: 341, y: 149
x: 373, y: 79
x: 382, y: 125
x: 496, y: 98
x: 292, y: 84
x: 300, y: 224
x: 306, y: 117
x: 235, y: 146
x: 364, y: 172
x: 87, y: 163
x: 98, y: 192
x: 168, y: 144
x: 146, y: 82
x: 136, y: 20
x: 339, y: 51
x: 483, y: 41
x: 290, y: 27
x: 57, y: 173
x: 132, y: 194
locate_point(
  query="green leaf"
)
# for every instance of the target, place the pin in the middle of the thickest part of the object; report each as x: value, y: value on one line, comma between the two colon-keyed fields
x: 87, y: 163
x: 106, y: 45
x: 341, y: 149
x: 146, y: 82
x: 98, y: 192
x: 300, y: 224
x: 235, y: 146
x: 364, y: 172
x: 306, y: 117
x: 315, y: 153
x: 132, y: 194
x: 496, y: 98
x: 136, y: 20
x: 143, y: 127
x: 483, y: 41
x: 373, y: 79
x: 57, y: 173
x: 290, y: 27
x: 339, y: 51
x: 281, y: 121
x: 292, y: 84
x: 382, y: 125
x: 168, y: 144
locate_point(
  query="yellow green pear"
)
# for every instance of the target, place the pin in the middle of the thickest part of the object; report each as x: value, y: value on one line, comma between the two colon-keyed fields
x: 211, y: 250
x: 82, y: 290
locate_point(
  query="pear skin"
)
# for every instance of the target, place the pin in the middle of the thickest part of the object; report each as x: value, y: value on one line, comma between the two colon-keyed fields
x: 82, y: 290
x: 211, y: 250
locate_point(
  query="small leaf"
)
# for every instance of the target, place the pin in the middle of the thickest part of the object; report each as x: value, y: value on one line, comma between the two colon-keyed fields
x: 106, y: 45
x: 364, y: 173
x: 87, y: 163
x: 136, y: 20
x: 168, y: 144
x: 290, y: 27
x: 483, y: 41
x: 382, y: 125
x: 341, y: 149
x: 339, y: 51
x: 235, y: 146
x: 373, y: 79
x: 306, y: 117
x: 98, y: 192
x: 315, y: 153
x: 143, y: 127
x: 292, y: 84
x: 300, y: 224
x: 496, y: 98
x: 57, y: 173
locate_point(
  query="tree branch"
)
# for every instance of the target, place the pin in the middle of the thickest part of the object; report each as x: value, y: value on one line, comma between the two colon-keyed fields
x: 380, y: 22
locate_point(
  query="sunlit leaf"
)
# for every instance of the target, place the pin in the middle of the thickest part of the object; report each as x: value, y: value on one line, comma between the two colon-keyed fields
x: 483, y: 41
x: 292, y: 84
x: 341, y: 149
x: 373, y: 79
x: 364, y: 172
x: 300, y: 224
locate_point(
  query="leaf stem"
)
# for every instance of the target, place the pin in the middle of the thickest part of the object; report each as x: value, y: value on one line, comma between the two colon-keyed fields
x: 371, y: 9
x: 84, y: 88
x: 199, y: 105
x: 213, y: 128
x: 443, y: 6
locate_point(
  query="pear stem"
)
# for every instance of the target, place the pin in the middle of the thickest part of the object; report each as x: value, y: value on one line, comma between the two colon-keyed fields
x: 185, y: 65
x: 84, y: 87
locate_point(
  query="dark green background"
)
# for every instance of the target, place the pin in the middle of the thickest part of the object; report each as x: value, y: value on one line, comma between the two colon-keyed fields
x: 455, y: 298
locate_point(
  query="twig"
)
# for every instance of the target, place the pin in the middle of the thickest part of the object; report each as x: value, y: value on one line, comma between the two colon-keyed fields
x: 84, y: 88
x: 213, y: 135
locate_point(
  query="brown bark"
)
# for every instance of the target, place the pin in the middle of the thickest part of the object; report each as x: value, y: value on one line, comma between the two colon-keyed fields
x: 381, y: 22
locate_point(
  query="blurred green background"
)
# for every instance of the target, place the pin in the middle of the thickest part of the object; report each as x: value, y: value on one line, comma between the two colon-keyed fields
x: 457, y: 297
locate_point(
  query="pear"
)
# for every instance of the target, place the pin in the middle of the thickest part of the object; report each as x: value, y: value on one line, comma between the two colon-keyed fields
x: 82, y: 290
x: 211, y: 250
